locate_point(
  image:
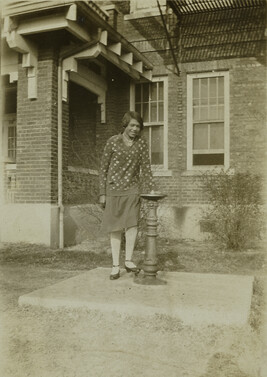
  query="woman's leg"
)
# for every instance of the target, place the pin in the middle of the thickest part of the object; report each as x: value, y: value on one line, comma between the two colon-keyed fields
x: 130, y: 238
x: 115, y: 241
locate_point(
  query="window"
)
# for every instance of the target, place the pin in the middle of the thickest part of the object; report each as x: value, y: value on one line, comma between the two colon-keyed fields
x: 141, y: 5
x: 208, y: 120
x: 150, y: 101
x: 11, y: 144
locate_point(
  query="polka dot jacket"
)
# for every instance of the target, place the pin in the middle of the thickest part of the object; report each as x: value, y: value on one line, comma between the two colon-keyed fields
x: 125, y: 170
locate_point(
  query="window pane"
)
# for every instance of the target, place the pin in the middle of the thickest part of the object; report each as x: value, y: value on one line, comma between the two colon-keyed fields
x: 195, y: 88
x: 195, y: 113
x: 208, y: 159
x: 213, y: 101
x: 204, y: 88
x: 220, y: 100
x: 12, y: 153
x: 204, y: 113
x: 161, y: 111
x: 146, y: 134
x: 153, y: 91
x: 213, y: 112
x: 145, y: 112
x: 160, y: 90
x: 217, y: 136
x: 221, y: 86
x: 200, y: 136
x: 137, y: 93
x: 204, y: 101
x: 213, y: 87
x: 221, y: 112
x: 11, y: 143
x: 157, y: 145
x: 145, y: 92
x: 153, y: 111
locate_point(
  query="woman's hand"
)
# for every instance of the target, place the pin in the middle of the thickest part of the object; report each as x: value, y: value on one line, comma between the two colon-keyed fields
x: 102, y: 201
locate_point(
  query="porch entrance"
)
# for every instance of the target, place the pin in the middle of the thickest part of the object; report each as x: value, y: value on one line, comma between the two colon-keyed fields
x: 81, y: 163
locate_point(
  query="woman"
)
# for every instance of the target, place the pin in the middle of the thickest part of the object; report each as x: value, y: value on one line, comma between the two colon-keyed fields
x: 125, y: 170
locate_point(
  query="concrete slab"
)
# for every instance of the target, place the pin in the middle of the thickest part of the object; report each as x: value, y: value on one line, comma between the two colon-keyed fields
x: 191, y: 298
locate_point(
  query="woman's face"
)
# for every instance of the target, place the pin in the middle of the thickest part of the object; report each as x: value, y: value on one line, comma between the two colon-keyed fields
x: 133, y: 129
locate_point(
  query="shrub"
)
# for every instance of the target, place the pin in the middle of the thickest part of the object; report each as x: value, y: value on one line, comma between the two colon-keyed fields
x: 234, y: 212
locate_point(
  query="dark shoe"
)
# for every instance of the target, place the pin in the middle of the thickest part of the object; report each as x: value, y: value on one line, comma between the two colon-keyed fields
x: 115, y: 276
x: 134, y: 269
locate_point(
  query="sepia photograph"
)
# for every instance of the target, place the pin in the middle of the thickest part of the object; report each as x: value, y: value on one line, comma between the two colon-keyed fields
x: 133, y: 188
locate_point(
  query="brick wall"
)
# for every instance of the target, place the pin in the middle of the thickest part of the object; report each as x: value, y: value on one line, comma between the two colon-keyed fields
x: 209, y: 43
x: 247, y: 127
x: 37, y: 133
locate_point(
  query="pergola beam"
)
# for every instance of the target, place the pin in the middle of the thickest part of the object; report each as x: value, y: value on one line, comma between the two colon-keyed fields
x: 183, y: 7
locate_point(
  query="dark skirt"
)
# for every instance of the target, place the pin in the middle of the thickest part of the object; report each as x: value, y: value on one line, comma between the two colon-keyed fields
x: 121, y: 212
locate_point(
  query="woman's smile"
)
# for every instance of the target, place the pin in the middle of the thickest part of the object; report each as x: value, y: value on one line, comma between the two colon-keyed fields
x: 133, y: 129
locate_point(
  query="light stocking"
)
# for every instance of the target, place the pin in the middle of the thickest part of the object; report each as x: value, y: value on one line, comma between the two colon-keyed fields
x: 130, y: 238
x: 115, y: 241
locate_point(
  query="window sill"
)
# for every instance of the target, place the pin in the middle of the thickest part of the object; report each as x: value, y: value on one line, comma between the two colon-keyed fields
x: 161, y: 172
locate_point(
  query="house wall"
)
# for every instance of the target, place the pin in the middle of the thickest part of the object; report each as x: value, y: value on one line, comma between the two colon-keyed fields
x: 206, y: 43
x: 231, y: 41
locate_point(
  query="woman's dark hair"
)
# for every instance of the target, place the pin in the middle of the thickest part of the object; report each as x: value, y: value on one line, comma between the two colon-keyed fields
x: 132, y: 115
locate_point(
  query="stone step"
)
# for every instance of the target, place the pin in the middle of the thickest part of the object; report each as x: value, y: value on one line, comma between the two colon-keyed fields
x: 192, y: 298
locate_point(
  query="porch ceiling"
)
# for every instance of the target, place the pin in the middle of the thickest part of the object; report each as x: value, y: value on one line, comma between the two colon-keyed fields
x: 183, y: 7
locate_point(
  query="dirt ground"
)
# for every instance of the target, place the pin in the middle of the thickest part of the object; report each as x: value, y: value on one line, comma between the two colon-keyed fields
x: 39, y: 342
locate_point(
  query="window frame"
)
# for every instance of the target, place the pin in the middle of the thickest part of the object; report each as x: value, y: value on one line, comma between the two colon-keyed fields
x: 164, y: 122
x: 190, y: 77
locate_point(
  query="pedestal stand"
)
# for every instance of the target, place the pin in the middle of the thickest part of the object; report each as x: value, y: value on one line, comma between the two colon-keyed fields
x: 150, y: 265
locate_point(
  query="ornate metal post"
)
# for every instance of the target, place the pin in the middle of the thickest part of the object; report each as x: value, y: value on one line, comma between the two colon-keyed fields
x: 150, y: 266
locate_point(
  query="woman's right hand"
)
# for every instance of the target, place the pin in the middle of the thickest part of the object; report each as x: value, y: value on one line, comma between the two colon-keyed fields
x: 102, y: 201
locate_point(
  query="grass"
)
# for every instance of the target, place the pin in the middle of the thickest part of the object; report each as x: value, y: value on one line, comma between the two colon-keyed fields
x: 38, y: 255
x: 219, y: 351
x: 198, y: 257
